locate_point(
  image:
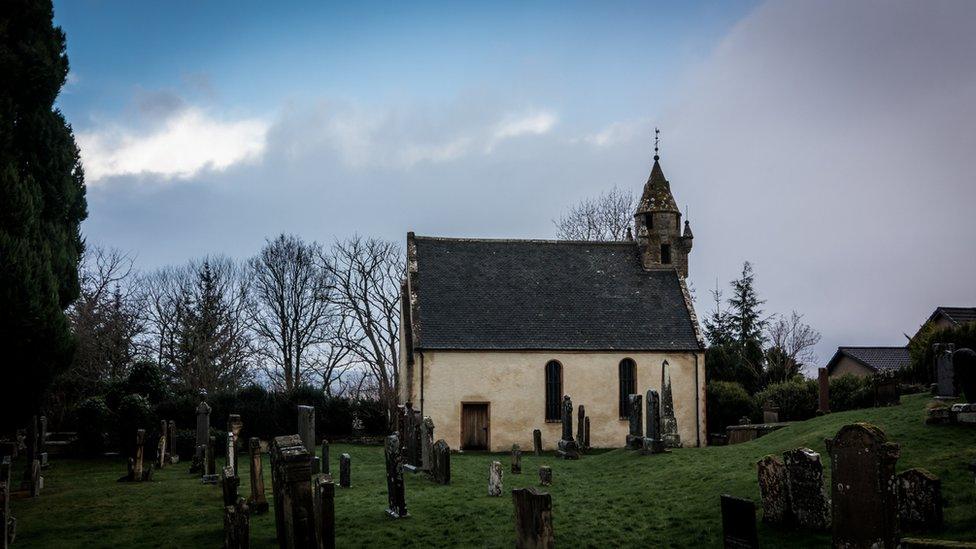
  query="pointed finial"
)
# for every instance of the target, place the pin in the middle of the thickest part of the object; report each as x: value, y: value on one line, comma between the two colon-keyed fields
x: 657, y: 139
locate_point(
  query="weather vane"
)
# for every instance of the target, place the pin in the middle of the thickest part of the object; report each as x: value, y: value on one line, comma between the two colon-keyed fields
x: 657, y: 139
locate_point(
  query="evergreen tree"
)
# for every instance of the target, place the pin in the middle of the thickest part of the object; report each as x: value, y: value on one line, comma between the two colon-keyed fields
x: 42, y: 204
x: 736, y: 334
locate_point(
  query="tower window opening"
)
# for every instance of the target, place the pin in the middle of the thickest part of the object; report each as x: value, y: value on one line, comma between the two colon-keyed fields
x: 666, y: 254
x: 650, y: 221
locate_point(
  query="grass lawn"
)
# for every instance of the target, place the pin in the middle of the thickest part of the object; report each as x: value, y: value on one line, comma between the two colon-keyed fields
x: 607, y: 498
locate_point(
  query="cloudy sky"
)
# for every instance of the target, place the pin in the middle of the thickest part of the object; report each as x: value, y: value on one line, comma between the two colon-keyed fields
x: 828, y: 143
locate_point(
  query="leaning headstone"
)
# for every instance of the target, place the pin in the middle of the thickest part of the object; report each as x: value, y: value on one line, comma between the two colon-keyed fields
x: 944, y: 373
x: 237, y: 525
x: 823, y: 391
x: 919, y: 500
x: 161, y: 446
x: 325, y: 457
x: 586, y: 433
x: 669, y: 424
x: 635, y: 438
x: 567, y: 448
x: 395, y: 490
x: 495, y: 478
x: 306, y: 430
x: 537, y: 442
x: 864, y: 491
x: 234, y: 428
x: 426, y: 443
x: 964, y: 371
x: 323, y: 503
x: 545, y: 475
x: 256, y: 502
x: 345, y: 471
x: 807, y: 493
x: 229, y: 483
x: 441, y: 463
x: 774, y: 490
x: 580, y: 420
x: 739, y: 523
x: 533, y: 519
x: 202, y: 435
x: 652, y: 442
x: 516, y: 460
x: 291, y: 485
x: 210, y: 462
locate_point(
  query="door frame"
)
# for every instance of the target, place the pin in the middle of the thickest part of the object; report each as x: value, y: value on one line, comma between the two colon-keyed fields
x: 487, y: 405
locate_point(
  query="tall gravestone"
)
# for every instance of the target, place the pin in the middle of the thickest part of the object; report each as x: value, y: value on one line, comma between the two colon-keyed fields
x: 516, y: 460
x: 161, y: 446
x: 257, y: 502
x: 864, y: 491
x: 325, y: 457
x: 635, y: 438
x: 567, y: 448
x: 210, y: 461
x: 396, y: 492
x: 944, y: 374
x: 653, y: 442
x: 669, y: 424
x: 306, y: 430
x: 533, y: 519
x: 774, y: 490
x: 823, y: 391
x: 323, y: 503
x: 580, y: 421
x: 495, y: 479
x: 739, y: 523
x: 202, y: 435
x: 537, y: 442
x: 291, y: 475
x: 137, y: 459
x: 426, y: 443
x: 807, y: 493
x: 237, y: 525
x: 586, y: 433
x: 229, y: 484
x: 234, y: 428
x: 919, y: 500
x: 964, y: 372
x: 441, y: 466
x: 345, y: 471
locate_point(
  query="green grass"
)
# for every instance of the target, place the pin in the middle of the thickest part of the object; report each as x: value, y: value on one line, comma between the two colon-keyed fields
x: 606, y: 499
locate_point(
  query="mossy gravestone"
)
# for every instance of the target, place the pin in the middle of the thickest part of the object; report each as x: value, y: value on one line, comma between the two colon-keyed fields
x: 807, y: 493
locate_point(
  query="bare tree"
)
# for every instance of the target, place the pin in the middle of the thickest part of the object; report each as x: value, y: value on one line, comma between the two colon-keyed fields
x: 159, y: 299
x: 606, y: 217
x: 792, y: 345
x: 367, y: 275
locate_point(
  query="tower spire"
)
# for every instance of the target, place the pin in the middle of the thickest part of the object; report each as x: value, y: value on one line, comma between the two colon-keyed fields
x: 657, y: 140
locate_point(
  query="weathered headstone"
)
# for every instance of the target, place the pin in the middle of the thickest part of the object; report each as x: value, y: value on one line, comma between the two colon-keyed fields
x: 864, y: 491
x: 823, y: 391
x: 545, y: 475
x: 919, y: 500
x: 586, y: 433
x: 395, y: 490
x: 495, y: 478
x: 325, y: 457
x: 533, y: 519
x: 257, y: 502
x: 161, y: 446
x: 580, y: 420
x: 237, y: 525
x: 516, y: 460
x: 537, y: 442
x: 323, y: 503
x: 210, y: 462
x: 229, y: 484
x: 770, y: 412
x: 138, y: 456
x: 403, y: 411
x: 653, y: 443
x: 774, y: 490
x: 306, y: 430
x: 635, y: 408
x: 291, y: 484
x: 669, y: 424
x: 202, y: 435
x: 944, y: 372
x: 567, y: 448
x: 426, y: 443
x: 234, y: 428
x: 964, y: 371
x: 807, y: 493
x: 345, y: 471
x: 739, y: 523
x: 441, y: 466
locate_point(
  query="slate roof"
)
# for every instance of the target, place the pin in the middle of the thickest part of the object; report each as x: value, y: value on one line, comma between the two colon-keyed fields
x: 877, y: 359
x: 545, y: 295
x: 958, y: 315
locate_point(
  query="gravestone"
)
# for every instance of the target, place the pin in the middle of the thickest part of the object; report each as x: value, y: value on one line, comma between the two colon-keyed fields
x: 774, y: 490
x: 580, y: 420
x: 919, y: 500
x: 964, y: 371
x: 770, y: 412
x: 537, y: 442
x: 516, y: 460
x: 234, y: 428
x: 172, y: 456
x: 807, y: 493
x: 426, y: 443
x: 161, y: 446
x: 586, y: 433
x: 395, y: 490
x: 291, y: 476
x: 323, y: 503
x: 545, y: 475
x: 823, y: 391
x: 945, y: 385
x: 533, y: 519
x: 495, y: 479
x: 306, y: 430
x: 441, y: 466
x: 669, y: 424
x: 403, y: 411
x: 635, y: 438
x: 229, y: 483
x: 210, y: 462
x: 257, y: 502
x: 42, y: 442
x: 652, y: 443
x: 137, y: 465
x: 37, y: 481
x: 237, y: 525
x: 864, y: 491
x: 345, y: 471
x: 567, y: 448
x: 325, y: 457
x: 739, y: 523
x: 202, y: 435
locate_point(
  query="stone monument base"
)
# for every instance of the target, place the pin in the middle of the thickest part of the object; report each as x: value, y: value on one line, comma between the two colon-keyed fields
x: 634, y: 442
x: 567, y: 449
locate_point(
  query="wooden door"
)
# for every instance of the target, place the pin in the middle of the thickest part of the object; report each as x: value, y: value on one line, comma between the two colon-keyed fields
x: 474, y: 426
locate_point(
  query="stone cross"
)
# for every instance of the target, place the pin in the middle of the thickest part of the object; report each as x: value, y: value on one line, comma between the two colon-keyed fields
x: 426, y: 443
x: 516, y: 460
x: 739, y: 523
x: 237, y: 525
x: 635, y: 438
x: 495, y: 479
x: 441, y: 463
x: 807, y: 494
x: 823, y: 384
x: 323, y: 503
x: 325, y: 457
x: 919, y: 500
x: 567, y: 448
x: 161, y: 450
x: 291, y: 476
x: 345, y: 471
x: 533, y: 519
x: 234, y: 428
x: 653, y: 443
x: 774, y: 490
x: 944, y: 373
x: 537, y: 442
x: 545, y: 475
x: 669, y: 424
x: 395, y: 490
x: 864, y: 491
x: 580, y: 421
x: 257, y: 502
x: 229, y: 483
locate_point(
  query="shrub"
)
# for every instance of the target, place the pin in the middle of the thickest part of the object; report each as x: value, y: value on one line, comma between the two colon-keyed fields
x: 146, y: 379
x: 850, y: 392
x: 134, y: 413
x: 372, y: 415
x: 93, y: 418
x: 921, y: 358
x: 796, y: 399
x: 727, y: 401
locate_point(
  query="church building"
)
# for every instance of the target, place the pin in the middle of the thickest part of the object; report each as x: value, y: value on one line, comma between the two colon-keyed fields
x: 495, y: 332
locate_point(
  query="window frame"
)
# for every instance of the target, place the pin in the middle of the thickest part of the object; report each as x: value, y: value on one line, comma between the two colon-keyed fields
x: 624, y: 396
x: 556, y: 396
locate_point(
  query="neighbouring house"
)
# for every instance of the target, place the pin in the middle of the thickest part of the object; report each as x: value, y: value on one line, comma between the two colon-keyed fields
x: 866, y: 361
x: 951, y: 317
x: 495, y: 332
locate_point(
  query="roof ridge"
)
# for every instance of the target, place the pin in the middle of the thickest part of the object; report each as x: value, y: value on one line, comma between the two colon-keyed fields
x: 524, y: 240
x: 872, y: 347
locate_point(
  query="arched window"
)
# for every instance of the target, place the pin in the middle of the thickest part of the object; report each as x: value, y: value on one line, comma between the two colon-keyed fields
x: 628, y: 384
x: 554, y: 390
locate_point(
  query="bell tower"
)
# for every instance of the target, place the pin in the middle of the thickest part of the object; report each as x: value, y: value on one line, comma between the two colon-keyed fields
x: 657, y: 223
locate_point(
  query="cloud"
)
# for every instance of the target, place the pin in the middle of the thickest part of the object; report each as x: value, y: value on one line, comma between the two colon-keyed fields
x: 614, y: 133
x: 535, y: 123
x: 188, y: 142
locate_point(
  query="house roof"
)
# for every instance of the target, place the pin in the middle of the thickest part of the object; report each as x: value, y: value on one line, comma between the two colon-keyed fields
x: 956, y: 315
x: 877, y: 359
x: 544, y: 295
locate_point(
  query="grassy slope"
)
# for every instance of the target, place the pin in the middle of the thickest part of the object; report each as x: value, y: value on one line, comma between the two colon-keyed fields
x: 610, y: 498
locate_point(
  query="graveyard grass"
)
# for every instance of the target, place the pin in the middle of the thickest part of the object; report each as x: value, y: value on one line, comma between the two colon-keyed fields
x: 607, y: 498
